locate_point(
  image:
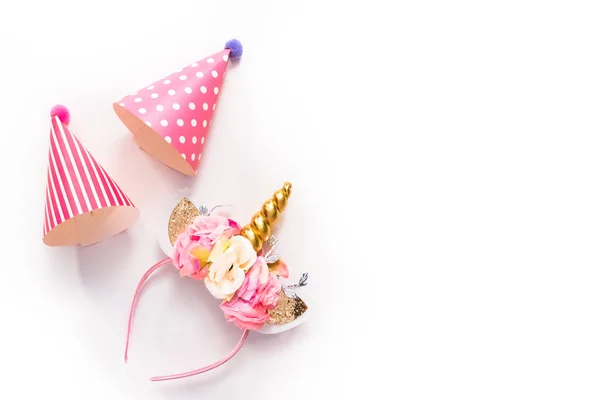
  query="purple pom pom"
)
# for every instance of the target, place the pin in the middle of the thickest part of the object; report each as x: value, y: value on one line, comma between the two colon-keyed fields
x: 236, y: 48
x: 62, y: 113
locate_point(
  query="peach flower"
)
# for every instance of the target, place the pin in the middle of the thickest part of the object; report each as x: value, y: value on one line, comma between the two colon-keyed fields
x: 229, y: 260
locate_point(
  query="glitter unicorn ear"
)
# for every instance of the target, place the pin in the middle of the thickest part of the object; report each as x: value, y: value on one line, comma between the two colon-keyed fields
x: 234, y: 267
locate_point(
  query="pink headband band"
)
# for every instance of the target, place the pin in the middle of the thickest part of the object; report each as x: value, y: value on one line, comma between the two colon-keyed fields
x: 235, y: 269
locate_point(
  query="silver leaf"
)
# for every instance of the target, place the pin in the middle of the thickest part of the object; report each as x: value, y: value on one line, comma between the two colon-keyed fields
x: 203, y: 209
x: 303, y: 279
x: 270, y: 259
x: 272, y: 241
x: 289, y: 292
x: 217, y: 206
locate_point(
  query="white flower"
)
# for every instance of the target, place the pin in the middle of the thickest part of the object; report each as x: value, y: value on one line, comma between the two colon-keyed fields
x: 229, y: 261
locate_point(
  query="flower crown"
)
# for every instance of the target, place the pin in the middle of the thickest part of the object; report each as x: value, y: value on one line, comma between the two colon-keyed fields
x: 234, y: 267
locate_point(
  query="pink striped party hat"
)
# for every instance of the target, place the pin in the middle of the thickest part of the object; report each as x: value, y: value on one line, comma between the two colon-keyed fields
x: 84, y: 205
x: 170, y: 118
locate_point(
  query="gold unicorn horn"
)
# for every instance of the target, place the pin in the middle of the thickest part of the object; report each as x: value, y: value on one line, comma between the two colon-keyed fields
x: 259, y: 228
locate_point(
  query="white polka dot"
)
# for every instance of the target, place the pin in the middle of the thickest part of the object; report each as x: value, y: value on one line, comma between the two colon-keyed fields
x: 199, y: 155
x: 192, y: 106
x: 154, y: 95
x: 201, y: 141
x: 193, y: 156
x: 188, y: 90
x: 215, y: 74
x: 216, y: 90
x: 148, y: 123
x: 180, y: 122
x: 150, y: 87
x: 168, y: 139
x: 181, y: 138
x: 142, y: 111
x: 204, y: 123
x: 183, y: 155
x: 214, y: 106
x: 171, y: 92
x: 203, y: 89
x: 160, y: 107
x: 210, y: 60
x: 194, y: 65
x: 199, y: 74
x: 164, y: 122
x: 166, y: 81
x: 193, y: 122
x: 137, y: 99
x: 194, y: 140
x: 225, y: 57
x: 121, y: 104
x: 183, y: 77
x: 175, y: 106
x: 134, y: 93
x: 205, y: 106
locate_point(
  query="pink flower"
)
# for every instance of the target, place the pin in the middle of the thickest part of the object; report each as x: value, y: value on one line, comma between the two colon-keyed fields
x: 206, y: 229
x: 193, y: 246
x: 259, y: 293
x: 269, y: 295
x: 244, y: 315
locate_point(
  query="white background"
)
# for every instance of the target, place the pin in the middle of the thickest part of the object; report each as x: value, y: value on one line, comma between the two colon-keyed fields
x: 444, y: 157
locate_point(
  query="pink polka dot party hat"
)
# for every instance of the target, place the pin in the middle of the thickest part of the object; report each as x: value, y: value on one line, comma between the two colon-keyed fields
x: 84, y: 205
x: 170, y: 119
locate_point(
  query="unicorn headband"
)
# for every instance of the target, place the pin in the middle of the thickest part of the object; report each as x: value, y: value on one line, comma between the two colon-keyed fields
x: 235, y: 269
